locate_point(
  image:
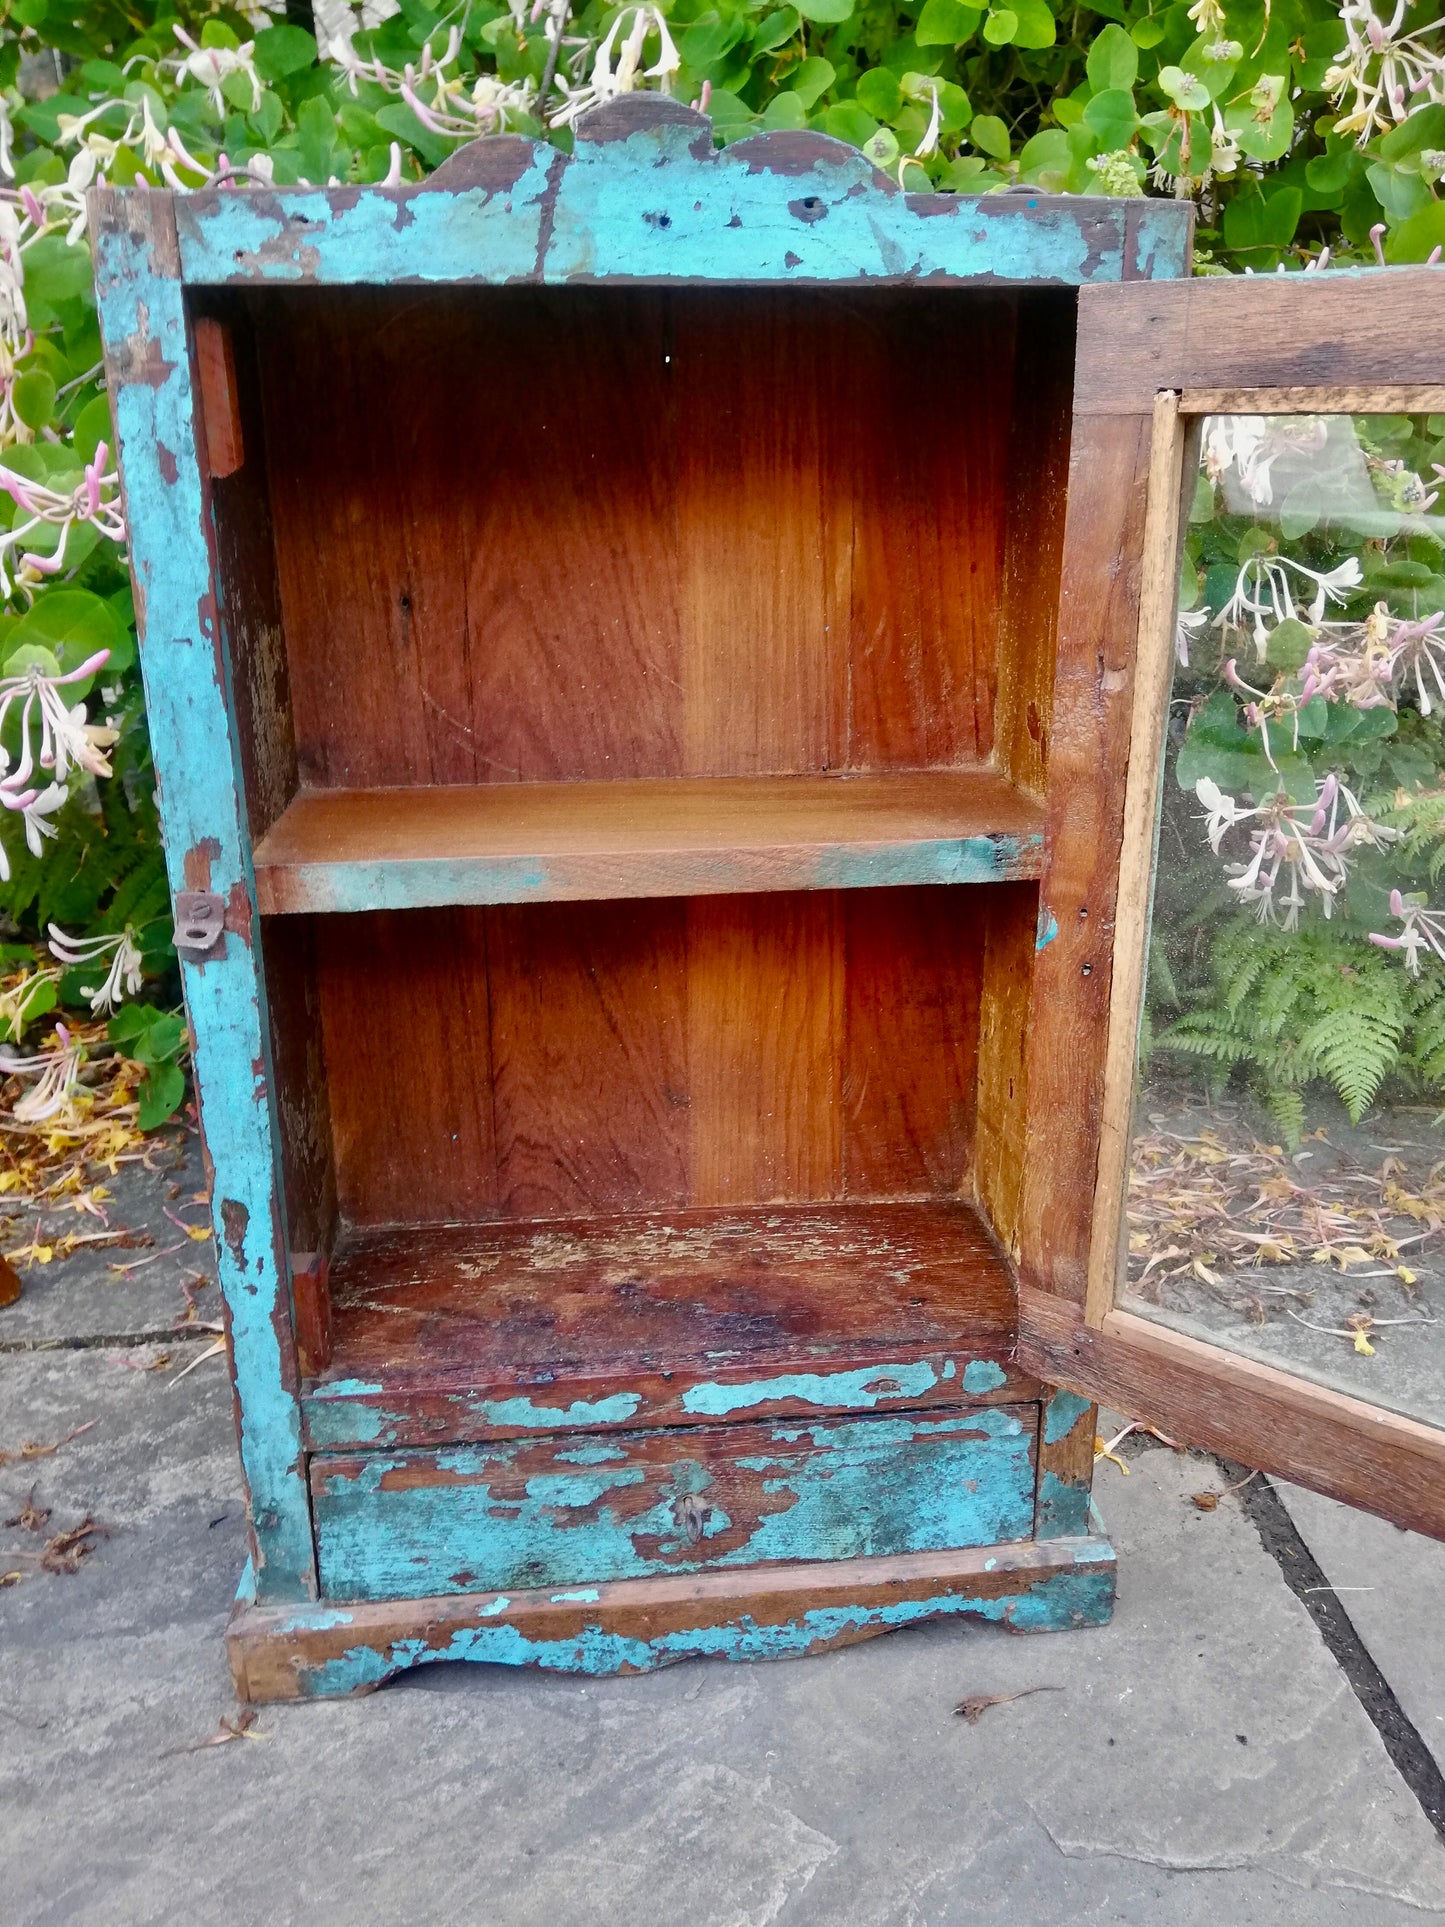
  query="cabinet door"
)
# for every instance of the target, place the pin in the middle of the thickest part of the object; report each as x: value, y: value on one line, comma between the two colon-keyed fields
x: 1234, y: 1191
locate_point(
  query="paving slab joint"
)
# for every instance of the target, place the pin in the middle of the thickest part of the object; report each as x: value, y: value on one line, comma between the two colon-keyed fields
x: 1411, y: 1757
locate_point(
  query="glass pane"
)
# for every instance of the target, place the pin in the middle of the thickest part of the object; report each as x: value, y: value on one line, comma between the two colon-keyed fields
x: 1287, y: 1181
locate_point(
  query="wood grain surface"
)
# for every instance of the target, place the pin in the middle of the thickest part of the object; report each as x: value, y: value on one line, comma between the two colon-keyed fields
x: 1226, y: 1403
x: 407, y: 848
x: 484, y: 1330
x: 672, y: 560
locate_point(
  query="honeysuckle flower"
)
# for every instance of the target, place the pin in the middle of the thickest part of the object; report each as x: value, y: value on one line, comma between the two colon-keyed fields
x: 1302, y: 845
x: 1207, y: 15
x: 123, y: 977
x: 95, y: 499
x: 58, y: 1073
x: 1417, y: 649
x: 1187, y: 624
x: 1383, y: 69
x: 1423, y: 932
x: 211, y: 66
x: 606, y: 82
x: 1263, y: 588
x: 436, y: 90
x: 66, y: 740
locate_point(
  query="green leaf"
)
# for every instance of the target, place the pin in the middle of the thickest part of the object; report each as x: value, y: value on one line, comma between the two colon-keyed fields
x: 882, y: 148
x: 1036, y: 26
x: 709, y: 39
x: 813, y: 79
x: 266, y: 119
x: 1300, y: 510
x: 1252, y: 222
x: 845, y: 120
x: 34, y: 398
x: 161, y: 1091
x: 785, y: 112
x: 1417, y: 238
x: 1289, y: 643
x: 1148, y: 32
x: 1185, y: 90
x: 1046, y: 159
x: 1400, y: 193
x: 830, y: 12
x: 1263, y: 137
x: 71, y: 625
x: 1113, y: 62
x: 55, y: 271
x: 879, y: 93
x: 989, y: 134
x: 283, y: 50
x: 1000, y: 27
x: 1112, y: 116
x: 1424, y: 128
x: 398, y: 119
x: 775, y: 30
x: 946, y: 23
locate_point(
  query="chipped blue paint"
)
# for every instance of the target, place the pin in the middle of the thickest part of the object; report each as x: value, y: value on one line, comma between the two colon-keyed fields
x: 817, y: 1491
x: 614, y: 1410
x: 415, y: 883
x: 1062, y: 1511
x: 950, y: 1369
x: 495, y: 1606
x: 583, y: 1596
x: 1059, y: 1601
x: 662, y: 204
x: 982, y: 1375
x: 1048, y: 928
x: 827, y: 1390
x: 354, y: 1388
x: 183, y: 662
x: 1062, y: 1414
x: 599, y: 1452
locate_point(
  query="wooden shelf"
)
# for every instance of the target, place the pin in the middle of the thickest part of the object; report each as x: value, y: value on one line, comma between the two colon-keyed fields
x: 456, y: 1332
x: 396, y: 849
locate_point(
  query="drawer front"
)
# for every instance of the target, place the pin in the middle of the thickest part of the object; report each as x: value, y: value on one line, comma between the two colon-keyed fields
x: 581, y: 1508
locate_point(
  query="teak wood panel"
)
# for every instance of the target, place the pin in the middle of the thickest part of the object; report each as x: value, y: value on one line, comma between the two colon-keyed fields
x: 629, y: 547
x: 539, y: 1061
x: 347, y: 850
x: 662, y: 1318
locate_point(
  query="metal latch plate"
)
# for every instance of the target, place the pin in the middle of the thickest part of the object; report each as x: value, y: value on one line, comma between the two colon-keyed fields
x: 200, y: 922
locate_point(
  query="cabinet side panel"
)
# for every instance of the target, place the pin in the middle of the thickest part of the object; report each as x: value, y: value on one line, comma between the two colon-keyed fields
x: 1011, y: 920
x: 922, y: 431
x: 1038, y: 493
x: 189, y: 705
x: 249, y: 598
x: 405, y: 1011
x: 913, y: 964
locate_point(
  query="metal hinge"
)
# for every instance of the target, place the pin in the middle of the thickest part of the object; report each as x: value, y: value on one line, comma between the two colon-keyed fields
x: 200, y: 922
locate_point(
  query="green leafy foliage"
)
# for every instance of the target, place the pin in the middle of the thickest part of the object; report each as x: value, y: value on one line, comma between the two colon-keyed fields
x: 156, y: 1040
x: 1270, y: 114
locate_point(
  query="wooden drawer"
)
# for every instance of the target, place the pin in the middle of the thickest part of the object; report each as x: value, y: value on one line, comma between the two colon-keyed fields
x: 577, y: 1509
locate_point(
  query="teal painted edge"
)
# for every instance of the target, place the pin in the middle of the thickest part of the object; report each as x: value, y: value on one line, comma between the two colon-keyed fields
x: 341, y: 1414
x: 186, y: 679
x: 418, y: 883
x: 660, y: 203
x: 1060, y: 1602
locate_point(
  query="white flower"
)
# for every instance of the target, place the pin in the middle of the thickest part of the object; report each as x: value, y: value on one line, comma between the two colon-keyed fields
x: 123, y: 978
x: 59, y: 1078
x: 1221, y: 811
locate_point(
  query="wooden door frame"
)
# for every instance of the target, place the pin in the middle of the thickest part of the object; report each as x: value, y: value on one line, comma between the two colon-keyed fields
x: 1152, y: 361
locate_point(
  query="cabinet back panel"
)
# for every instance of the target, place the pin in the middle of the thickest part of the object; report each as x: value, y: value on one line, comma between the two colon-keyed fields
x: 659, y: 532
x: 565, y: 1059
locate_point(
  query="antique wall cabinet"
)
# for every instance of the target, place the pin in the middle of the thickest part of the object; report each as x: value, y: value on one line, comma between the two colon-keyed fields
x: 644, y: 876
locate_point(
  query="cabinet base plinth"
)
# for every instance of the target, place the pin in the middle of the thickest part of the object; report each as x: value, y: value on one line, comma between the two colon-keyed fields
x: 311, y: 1651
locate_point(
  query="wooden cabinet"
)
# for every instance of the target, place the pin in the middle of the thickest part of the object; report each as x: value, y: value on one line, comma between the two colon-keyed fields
x: 645, y: 849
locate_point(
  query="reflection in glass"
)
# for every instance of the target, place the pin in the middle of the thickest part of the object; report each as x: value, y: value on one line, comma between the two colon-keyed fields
x: 1287, y: 1184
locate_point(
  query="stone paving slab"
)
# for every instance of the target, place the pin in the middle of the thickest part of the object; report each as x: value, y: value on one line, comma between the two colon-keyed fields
x: 84, y: 1296
x: 1392, y: 1586
x: 1204, y: 1761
